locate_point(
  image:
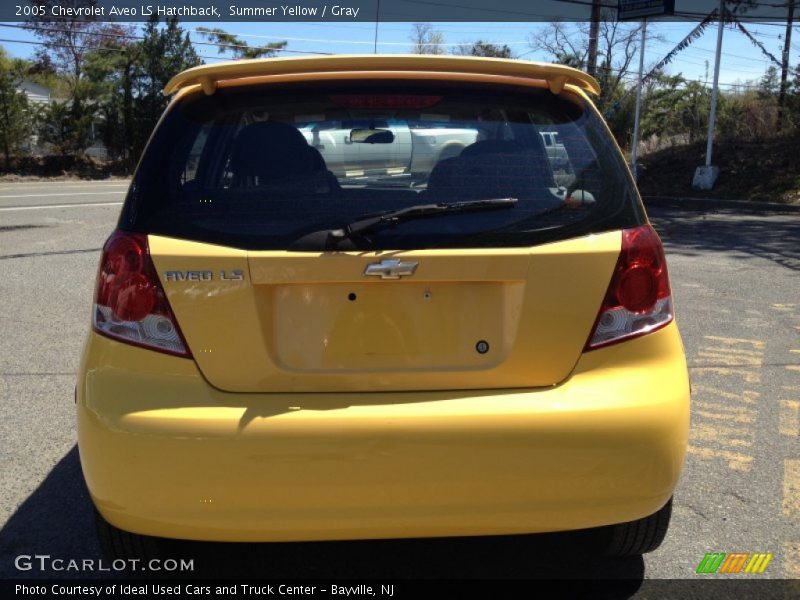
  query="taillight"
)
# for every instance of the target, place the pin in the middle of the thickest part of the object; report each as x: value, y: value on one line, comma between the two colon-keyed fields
x: 639, y: 299
x: 383, y: 101
x: 129, y: 302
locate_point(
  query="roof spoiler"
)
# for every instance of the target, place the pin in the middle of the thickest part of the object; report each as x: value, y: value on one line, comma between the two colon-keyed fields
x: 557, y: 76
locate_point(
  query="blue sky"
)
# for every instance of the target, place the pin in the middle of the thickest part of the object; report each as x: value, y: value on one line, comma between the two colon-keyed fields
x: 742, y: 61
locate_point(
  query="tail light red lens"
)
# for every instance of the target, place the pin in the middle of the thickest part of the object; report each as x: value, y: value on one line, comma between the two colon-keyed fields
x: 130, y: 305
x: 639, y: 299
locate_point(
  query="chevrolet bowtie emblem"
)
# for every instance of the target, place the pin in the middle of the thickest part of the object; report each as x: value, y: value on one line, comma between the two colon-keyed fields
x: 391, y: 269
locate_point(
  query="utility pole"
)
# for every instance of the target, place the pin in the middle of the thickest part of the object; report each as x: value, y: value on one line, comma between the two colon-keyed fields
x: 377, y: 21
x: 787, y: 44
x: 712, y: 117
x: 705, y: 177
x: 594, y: 33
x: 635, y: 149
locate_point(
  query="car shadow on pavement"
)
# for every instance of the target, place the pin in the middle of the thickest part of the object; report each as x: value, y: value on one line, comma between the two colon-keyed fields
x: 57, y: 520
x: 764, y: 234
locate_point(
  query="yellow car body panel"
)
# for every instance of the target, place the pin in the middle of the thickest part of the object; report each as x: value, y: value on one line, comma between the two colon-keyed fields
x: 166, y: 454
x: 297, y: 330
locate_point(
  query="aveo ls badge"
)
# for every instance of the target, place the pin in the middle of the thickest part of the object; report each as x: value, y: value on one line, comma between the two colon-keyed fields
x: 203, y: 276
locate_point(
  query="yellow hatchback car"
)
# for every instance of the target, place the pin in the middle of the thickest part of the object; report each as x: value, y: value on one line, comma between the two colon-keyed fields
x: 361, y: 297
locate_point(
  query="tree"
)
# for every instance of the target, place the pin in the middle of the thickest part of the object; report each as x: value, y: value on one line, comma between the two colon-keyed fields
x: 113, y: 75
x: 67, y: 44
x: 42, y: 65
x: 769, y: 86
x: 481, y: 48
x: 162, y: 53
x: 594, y: 32
x: 793, y: 97
x: 126, y: 77
x: 426, y: 40
x: 15, y: 114
x: 787, y: 44
x: 676, y: 108
x: 58, y: 127
x: 227, y: 42
x: 618, y: 45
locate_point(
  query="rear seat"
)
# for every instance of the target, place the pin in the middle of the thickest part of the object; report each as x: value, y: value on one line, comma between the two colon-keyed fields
x: 276, y: 155
x: 492, y: 169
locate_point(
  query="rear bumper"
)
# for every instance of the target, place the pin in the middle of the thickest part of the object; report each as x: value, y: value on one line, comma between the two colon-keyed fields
x: 166, y: 454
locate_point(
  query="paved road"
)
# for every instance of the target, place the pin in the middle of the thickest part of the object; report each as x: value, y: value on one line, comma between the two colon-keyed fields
x: 737, y: 287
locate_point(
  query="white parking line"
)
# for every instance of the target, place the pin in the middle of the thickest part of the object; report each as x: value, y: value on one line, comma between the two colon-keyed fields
x: 44, y: 191
x: 43, y: 184
x: 87, y: 183
x: 63, y: 194
x: 43, y: 206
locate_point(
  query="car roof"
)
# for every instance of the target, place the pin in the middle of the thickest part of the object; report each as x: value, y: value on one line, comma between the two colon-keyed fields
x: 446, y: 67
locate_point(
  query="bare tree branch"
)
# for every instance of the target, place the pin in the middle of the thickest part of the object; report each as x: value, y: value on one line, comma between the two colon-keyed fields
x: 426, y: 40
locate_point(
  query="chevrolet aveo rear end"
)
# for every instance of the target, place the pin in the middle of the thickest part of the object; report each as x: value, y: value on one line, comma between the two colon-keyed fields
x: 298, y: 334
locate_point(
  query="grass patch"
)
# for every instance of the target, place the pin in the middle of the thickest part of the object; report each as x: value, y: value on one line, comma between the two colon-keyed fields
x: 766, y: 171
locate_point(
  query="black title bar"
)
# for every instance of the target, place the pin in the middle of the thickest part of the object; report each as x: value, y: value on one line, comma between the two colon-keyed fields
x: 364, y: 10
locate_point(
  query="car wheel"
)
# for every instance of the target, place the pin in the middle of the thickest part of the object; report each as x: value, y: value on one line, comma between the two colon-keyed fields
x: 118, y: 544
x: 637, y: 537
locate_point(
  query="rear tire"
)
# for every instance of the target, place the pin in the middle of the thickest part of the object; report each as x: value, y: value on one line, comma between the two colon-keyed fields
x: 118, y: 544
x: 637, y: 537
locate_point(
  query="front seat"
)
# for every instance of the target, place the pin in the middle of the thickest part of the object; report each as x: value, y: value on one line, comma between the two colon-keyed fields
x: 276, y: 154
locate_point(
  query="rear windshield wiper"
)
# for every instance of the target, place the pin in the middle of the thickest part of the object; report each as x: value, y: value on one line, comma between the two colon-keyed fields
x: 515, y: 226
x: 329, y: 239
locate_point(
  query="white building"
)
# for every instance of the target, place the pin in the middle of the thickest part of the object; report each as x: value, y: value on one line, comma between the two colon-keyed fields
x: 36, y: 93
x: 42, y: 95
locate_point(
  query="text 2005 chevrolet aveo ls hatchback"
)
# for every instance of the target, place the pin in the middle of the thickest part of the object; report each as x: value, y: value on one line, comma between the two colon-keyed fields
x: 363, y: 297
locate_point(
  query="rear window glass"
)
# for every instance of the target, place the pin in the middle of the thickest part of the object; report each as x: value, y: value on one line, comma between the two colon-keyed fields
x: 261, y: 167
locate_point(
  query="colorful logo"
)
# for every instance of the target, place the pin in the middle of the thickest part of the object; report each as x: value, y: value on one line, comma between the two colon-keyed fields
x: 737, y: 562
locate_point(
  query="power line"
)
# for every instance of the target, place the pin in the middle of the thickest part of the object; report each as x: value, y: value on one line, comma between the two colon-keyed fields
x: 310, y: 40
x: 227, y: 45
x: 708, y: 51
x: 366, y: 42
x: 258, y: 36
x: 141, y: 38
x: 94, y: 48
x: 629, y: 76
x: 80, y: 48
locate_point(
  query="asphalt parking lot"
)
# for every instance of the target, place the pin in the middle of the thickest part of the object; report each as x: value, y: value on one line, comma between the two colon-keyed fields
x: 736, y: 280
